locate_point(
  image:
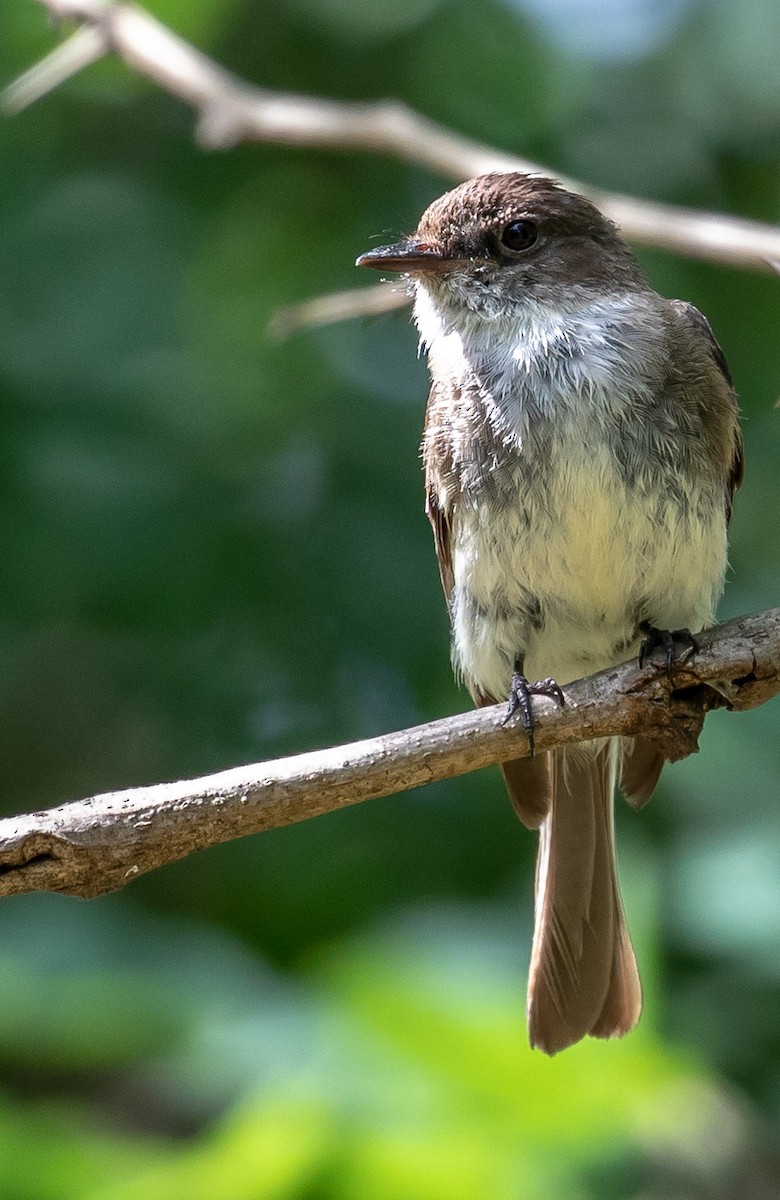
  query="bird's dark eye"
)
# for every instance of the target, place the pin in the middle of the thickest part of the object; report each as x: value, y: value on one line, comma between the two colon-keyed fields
x: 518, y: 236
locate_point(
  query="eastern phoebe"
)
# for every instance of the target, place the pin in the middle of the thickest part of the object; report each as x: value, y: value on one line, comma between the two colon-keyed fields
x: 581, y: 452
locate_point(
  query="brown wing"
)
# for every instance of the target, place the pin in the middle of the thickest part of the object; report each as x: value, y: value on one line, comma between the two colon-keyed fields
x: 697, y: 320
x: 438, y: 466
x: 439, y: 518
x: 641, y: 761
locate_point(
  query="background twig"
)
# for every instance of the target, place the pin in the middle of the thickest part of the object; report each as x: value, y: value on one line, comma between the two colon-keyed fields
x: 231, y: 111
x: 338, y: 306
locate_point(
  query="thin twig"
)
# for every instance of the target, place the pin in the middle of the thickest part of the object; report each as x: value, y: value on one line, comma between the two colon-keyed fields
x: 338, y: 306
x: 232, y: 111
x: 84, y: 47
x: 100, y: 844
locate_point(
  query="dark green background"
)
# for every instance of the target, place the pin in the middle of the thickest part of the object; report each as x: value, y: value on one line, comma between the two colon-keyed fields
x: 214, y: 551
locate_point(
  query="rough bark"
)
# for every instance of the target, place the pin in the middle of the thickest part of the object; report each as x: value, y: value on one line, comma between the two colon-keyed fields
x: 100, y: 844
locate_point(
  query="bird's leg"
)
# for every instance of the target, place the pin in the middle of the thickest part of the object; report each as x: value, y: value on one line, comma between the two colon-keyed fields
x: 677, y: 644
x: 520, y: 693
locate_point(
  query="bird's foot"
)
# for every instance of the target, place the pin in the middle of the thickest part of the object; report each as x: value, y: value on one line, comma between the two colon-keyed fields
x: 677, y: 644
x: 520, y: 693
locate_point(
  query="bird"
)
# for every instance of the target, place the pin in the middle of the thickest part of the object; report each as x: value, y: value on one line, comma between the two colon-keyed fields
x: 581, y: 451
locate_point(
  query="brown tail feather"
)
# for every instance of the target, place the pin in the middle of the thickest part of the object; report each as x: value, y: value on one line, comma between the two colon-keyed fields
x: 583, y: 976
x: 623, y: 1002
x: 640, y: 766
x: 529, y: 783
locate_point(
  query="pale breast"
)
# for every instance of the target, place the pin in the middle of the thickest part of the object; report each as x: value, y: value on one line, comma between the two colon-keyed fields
x: 563, y: 575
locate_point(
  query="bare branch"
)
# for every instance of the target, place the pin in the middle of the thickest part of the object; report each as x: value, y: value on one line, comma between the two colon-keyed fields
x: 338, y: 306
x: 84, y: 47
x: 231, y: 111
x: 100, y: 844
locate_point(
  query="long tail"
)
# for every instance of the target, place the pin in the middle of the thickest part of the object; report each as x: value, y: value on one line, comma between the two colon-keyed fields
x: 583, y: 977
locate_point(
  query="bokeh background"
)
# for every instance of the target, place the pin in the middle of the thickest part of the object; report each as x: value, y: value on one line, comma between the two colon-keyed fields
x: 213, y: 551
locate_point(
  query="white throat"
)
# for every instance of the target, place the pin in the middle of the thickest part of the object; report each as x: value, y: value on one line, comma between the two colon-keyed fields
x: 544, y: 359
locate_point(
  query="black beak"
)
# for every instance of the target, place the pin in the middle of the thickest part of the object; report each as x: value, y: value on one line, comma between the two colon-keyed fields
x: 410, y: 257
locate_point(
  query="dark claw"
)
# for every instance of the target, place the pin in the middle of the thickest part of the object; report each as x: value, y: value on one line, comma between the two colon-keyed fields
x: 677, y: 644
x: 520, y: 693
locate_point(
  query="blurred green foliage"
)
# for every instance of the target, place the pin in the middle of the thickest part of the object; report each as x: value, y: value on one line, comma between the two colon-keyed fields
x: 214, y: 552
